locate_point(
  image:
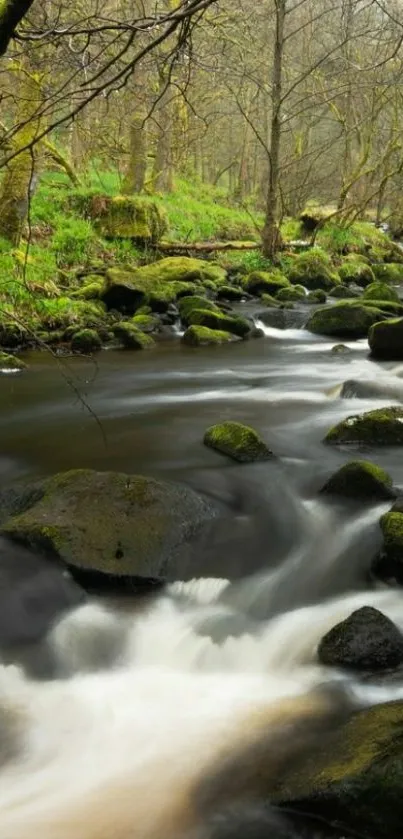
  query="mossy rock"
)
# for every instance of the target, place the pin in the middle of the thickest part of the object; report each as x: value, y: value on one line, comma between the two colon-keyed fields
x: 10, y: 363
x: 314, y: 215
x: 315, y: 298
x: 229, y: 292
x: 157, y: 284
x: 351, y: 776
x: 201, y: 336
x: 111, y: 522
x: 391, y: 272
x: 360, y: 479
x: 294, y: 294
x: 382, y: 427
x: 86, y: 341
x: 147, y: 323
x: 264, y: 282
x: 90, y: 291
x: 270, y: 302
x: 380, y: 291
x: 12, y: 334
x: 366, y: 641
x: 217, y: 320
x: 388, y: 565
x: 189, y: 304
x: 343, y: 292
x: 343, y: 320
x: 354, y: 271
x: 131, y: 337
x: 386, y: 339
x: 237, y: 441
x: 313, y: 269
x: 128, y: 217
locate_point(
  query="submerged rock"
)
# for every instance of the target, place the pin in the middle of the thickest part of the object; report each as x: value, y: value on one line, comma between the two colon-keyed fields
x: 284, y: 318
x: 360, y: 479
x: 131, y: 337
x: 386, y: 339
x: 238, y: 441
x: 86, y: 341
x: 356, y: 389
x: 201, y: 336
x: 344, y: 320
x: 108, y: 522
x: 382, y: 427
x: 11, y: 363
x: 366, y: 640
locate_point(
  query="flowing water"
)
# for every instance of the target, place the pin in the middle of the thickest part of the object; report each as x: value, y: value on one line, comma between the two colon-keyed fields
x: 114, y: 715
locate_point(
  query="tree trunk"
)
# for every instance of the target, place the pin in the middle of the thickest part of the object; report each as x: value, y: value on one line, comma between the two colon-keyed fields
x: 137, y: 168
x: 19, y: 177
x: 162, y: 178
x: 271, y: 237
x: 11, y: 14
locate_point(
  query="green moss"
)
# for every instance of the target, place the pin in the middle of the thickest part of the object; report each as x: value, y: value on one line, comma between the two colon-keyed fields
x: 86, y: 341
x: 201, y: 336
x: 392, y: 529
x: 10, y: 362
x: 189, y: 304
x: 316, y: 297
x: 264, y: 282
x: 238, y: 441
x: 360, y: 479
x: 217, y: 320
x: 344, y: 320
x: 291, y: 295
x: 356, y: 272
x: 389, y: 273
x: 344, y: 292
x: 89, y: 291
x: 147, y: 323
x: 270, y: 301
x: 313, y: 270
x: 127, y: 217
x: 131, y: 337
x: 380, y: 291
x: 229, y: 292
x: 382, y: 427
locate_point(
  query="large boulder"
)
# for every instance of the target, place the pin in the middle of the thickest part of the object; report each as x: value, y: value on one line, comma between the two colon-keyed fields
x: 388, y: 565
x: 380, y: 291
x: 111, y: 523
x: 265, y: 282
x: 313, y: 270
x: 344, y: 320
x: 386, y: 339
x: 360, y: 479
x: 293, y: 294
x: 354, y: 271
x: 237, y: 441
x: 382, y: 427
x: 366, y: 640
x: 127, y: 217
x: 352, y: 776
x: 158, y: 284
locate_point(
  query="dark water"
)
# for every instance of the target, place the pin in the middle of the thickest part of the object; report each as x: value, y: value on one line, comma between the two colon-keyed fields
x: 281, y: 544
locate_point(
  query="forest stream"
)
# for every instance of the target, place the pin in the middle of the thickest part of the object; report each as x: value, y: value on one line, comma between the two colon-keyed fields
x: 143, y: 697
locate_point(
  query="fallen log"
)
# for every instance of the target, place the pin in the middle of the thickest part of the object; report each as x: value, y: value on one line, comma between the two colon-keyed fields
x: 173, y: 248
